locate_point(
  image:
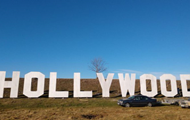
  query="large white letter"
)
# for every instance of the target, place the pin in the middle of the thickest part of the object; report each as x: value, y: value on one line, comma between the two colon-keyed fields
x: 2, y: 79
x: 184, y: 79
x: 9, y: 84
x: 127, y: 84
x: 105, y: 84
x: 164, y: 91
x: 77, y: 92
x: 52, y: 87
x: 143, y: 79
x: 28, y: 81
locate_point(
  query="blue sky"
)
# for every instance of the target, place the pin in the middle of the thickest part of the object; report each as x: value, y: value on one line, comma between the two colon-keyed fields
x: 63, y: 36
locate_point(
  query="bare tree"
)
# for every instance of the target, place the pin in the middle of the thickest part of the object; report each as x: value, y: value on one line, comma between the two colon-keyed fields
x: 97, y: 65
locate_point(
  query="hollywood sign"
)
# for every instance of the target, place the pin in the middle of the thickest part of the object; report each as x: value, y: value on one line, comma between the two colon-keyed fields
x: 127, y: 84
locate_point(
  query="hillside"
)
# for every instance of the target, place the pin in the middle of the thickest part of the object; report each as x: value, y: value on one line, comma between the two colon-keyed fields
x: 81, y: 109
x: 86, y: 85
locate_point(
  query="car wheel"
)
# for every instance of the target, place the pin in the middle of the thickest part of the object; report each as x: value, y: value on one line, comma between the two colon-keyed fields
x: 127, y: 105
x: 149, y: 104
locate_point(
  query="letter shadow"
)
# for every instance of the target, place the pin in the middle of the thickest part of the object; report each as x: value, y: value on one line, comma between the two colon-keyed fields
x: 45, y: 95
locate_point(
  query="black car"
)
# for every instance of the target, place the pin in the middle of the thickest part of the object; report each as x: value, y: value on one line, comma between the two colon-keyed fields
x: 137, y: 100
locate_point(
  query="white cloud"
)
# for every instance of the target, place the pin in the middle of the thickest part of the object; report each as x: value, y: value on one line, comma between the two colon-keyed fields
x: 128, y: 71
x: 158, y: 74
x: 139, y: 73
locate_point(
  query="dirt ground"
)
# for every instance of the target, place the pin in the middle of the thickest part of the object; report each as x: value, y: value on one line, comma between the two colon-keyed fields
x: 79, y: 109
x: 102, y: 113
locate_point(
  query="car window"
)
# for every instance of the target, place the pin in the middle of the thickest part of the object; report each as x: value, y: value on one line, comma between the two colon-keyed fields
x: 130, y: 98
x: 144, y: 98
x: 137, y: 98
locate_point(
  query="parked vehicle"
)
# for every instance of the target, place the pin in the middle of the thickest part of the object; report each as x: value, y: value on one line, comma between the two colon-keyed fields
x: 137, y: 100
x: 185, y: 103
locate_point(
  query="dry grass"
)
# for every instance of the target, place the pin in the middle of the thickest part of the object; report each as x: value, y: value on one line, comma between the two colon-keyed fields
x: 96, y: 108
x: 93, y: 108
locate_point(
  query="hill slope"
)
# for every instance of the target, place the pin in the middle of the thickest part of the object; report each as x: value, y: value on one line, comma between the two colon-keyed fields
x: 86, y: 85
